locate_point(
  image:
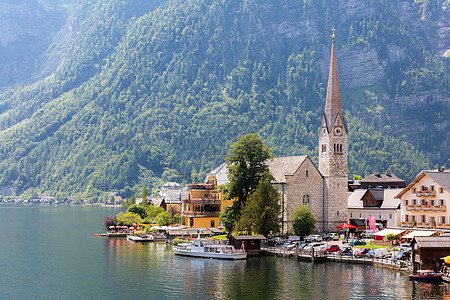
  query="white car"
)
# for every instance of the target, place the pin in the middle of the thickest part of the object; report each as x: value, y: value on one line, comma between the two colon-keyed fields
x: 316, y: 238
x: 382, y: 253
x: 404, y: 247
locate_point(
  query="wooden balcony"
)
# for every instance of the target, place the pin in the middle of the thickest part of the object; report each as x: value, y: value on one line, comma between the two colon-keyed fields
x: 426, y: 193
x: 200, y: 213
x: 203, y: 201
x: 440, y: 208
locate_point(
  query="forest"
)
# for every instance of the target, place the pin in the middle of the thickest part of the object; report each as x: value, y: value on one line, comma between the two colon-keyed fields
x: 154, y: 91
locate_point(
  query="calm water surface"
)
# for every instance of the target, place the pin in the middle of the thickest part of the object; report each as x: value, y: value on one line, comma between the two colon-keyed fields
x: 49, y: 252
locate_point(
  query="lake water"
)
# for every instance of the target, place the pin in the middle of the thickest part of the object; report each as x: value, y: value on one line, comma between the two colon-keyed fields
x: 49, y: 252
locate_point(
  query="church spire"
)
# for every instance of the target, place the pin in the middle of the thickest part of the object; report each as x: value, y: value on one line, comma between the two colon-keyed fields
x: 333, y: 100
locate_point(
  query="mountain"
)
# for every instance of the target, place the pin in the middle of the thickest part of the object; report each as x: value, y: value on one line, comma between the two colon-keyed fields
x: 146, y: 92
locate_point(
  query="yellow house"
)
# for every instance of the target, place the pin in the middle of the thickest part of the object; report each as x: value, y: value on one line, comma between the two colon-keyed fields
x: 204, y: 203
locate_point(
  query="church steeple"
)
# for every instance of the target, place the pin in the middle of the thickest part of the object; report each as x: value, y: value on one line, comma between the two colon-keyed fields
x: 333, y: 100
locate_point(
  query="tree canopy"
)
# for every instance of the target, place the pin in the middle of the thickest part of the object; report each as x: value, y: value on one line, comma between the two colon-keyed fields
x: 246, y: 165
x: 303, y: 221
x: 261, y: 212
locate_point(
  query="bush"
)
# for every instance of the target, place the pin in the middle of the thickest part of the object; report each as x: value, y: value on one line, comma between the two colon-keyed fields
x: 128, y: 219
x: 163, y: 219
x: 109, y: 221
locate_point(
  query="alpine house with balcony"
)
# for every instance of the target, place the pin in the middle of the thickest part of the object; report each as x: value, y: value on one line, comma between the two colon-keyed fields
x: 424, y: 201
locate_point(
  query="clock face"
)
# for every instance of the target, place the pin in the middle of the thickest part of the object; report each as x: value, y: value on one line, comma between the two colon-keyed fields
x: 337, y: 131
x: 324, y: 131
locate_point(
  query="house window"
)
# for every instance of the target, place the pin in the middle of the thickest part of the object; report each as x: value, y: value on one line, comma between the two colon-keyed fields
x: 423, y: 218
x: 337, y: 213
x: 414, y: 190
x: 413, y: 218
x: 432, y: 220
x: 414, y: 202
x: 443, y: 220
x: 390, y: 216
x: 442, y: 202
x: 441, y: 190
x: 324, y: 148
x: 360, y: 215
x: 432, y: 202
x: 379, y: 217
x: 306, y: 200
x: 212, y: 223
x: 432, y: 188
x: 351, y: 215
x: 307, y: 173
x: 406, y: 202
x: 406, y: 218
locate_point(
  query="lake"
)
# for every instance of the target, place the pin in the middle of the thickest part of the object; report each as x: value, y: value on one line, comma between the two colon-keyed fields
x: 49, y: 252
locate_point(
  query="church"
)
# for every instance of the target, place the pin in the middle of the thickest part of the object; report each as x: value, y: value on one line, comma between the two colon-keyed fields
x: 324, y: 188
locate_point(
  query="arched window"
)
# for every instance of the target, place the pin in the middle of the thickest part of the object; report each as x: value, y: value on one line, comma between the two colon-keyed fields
x: 306, y: 200
x: 340, y: 148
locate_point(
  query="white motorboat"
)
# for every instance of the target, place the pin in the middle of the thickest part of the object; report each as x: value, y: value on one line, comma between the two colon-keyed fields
x: 141, y: 238
x: 208, y: 249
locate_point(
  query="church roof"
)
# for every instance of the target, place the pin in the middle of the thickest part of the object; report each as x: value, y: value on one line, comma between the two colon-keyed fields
x: 281, y: 166
x: 333, y: 100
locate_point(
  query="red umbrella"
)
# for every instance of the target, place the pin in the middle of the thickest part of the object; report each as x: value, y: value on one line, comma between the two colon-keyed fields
x: 345, y: 225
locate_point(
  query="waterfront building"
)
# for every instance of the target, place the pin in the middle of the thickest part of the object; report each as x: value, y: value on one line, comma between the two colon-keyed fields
x: 428, y: 251
x: 424, y: 201
x: 375, y: 196
x: 204, y: 201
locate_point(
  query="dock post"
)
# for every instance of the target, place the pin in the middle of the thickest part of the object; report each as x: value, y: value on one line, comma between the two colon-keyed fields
x: 296, y: 252
x: 312, y: 255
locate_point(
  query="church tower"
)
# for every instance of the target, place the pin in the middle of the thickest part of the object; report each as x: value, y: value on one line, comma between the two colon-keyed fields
x: 333, y: 152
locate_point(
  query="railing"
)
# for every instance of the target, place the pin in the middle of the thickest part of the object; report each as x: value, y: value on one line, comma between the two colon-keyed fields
x: 426, y: 193
x: 200, y: 213
x: 203, y: 201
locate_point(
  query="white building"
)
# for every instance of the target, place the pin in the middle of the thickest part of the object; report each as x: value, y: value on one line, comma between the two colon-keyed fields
x: 424, y: 201
x: 379, y: 203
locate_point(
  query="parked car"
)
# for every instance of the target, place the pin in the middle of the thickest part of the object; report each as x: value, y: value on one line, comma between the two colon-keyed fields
x: 404, y: 247
x: 316, y: 246
x: 334, y: 236
x: 371, y: 253
x: 382, y: 253
x: 357, y: 242
x: 316, y: 238
x: 402, y: 255
x: 292, y: 245
x: 361, y: 252
x: 333, y: 248
x: 346, y: 251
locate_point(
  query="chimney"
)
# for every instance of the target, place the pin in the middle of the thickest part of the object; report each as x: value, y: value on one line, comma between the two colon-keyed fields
x: 387, y: 172
x: 375, y: 172
x: 439, y: 169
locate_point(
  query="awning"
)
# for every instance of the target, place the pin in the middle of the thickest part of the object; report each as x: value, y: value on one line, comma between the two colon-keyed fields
x: 415, y: 233
x: 385, y: 232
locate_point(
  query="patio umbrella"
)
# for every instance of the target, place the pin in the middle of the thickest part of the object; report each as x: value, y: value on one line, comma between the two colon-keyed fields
x: 345, y: 225
x: 447, y: 259
x: 112, y: 227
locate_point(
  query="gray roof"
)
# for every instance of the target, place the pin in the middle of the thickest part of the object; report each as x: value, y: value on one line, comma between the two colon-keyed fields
x: 221, y: 174
x: 378, y: 178
x: 249, y: 237
x: 386, y: 195
x: 433, y: 241
x: 281, y: 166
x: 441, y: 178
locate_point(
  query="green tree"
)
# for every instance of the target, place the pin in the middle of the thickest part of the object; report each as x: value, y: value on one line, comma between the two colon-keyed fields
x: 227, y: 218
x: 152, y: 211
x: 177, y: 219
x: 128, y: 219
x: 357, y: 177
x: 137, y: 209
x: 261, y: 212
x: 163, y: 219
x: 144, y: 195
x: 390, y: 237
x: 303, y: 221
x: 130, y: 201
x: 246, y: 165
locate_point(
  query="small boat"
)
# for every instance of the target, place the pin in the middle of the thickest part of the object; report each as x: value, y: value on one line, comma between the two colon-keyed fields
x: 208, y: 249
x: 143, y: 238
x: 426, y: 275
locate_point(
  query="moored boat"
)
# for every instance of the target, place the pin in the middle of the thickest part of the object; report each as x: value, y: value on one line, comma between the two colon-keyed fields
x: 426, y: 275
x: 208, y: 249
x: 143, y: 238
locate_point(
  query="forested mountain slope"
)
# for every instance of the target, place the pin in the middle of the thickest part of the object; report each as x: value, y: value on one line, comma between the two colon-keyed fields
x: 150, y: 92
